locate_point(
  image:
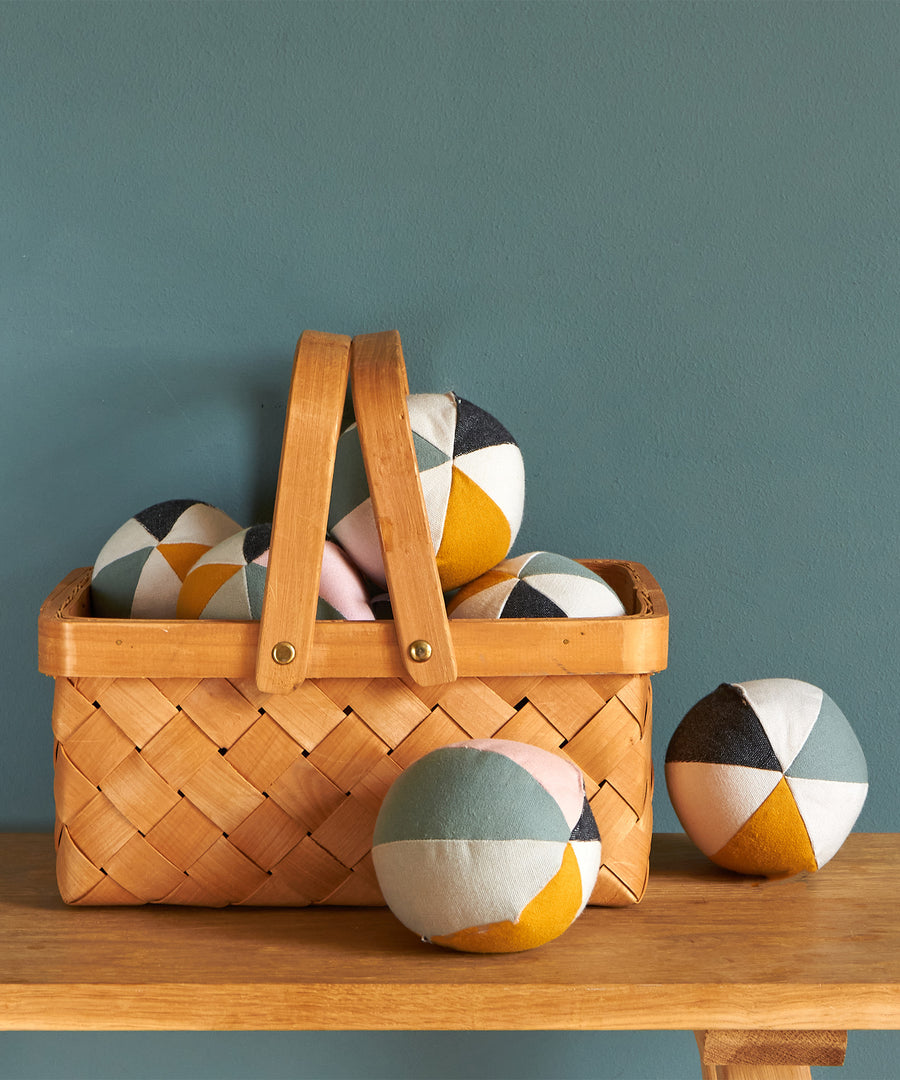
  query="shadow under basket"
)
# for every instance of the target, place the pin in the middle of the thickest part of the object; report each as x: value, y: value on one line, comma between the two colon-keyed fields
x: 191, y: 769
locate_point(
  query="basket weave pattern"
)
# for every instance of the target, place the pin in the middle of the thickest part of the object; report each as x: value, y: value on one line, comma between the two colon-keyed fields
x: 209, y: 792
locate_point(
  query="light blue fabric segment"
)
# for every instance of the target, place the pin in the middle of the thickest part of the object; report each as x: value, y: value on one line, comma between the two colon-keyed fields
x: 831, y: 750
x: 325, y: 611
x: 350, y: 487
x: 112, y: 589
x: 545, y: 562
x: 230, y: 601
x: 256, y: 587
x: 466, y: 794
x: 428, y: 456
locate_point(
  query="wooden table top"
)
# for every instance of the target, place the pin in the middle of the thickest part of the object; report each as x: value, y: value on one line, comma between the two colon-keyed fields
x: 705, y: 949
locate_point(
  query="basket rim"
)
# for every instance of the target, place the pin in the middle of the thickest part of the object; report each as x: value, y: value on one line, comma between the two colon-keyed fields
x: 72, y: 643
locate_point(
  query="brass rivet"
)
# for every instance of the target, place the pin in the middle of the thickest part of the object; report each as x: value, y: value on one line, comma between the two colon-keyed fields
x: 420, y: 651
x: 284, y: 652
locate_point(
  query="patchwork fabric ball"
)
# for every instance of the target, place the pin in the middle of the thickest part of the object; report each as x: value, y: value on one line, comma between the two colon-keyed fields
x: 229, y: 581
x: 767, y: 777
x: 536, y: 586
x: 487, y: 846
x: 140, y: 569
x: 473, y: 481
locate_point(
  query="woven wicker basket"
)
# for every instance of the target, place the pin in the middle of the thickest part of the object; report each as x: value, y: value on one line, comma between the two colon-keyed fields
x: 215, y: 763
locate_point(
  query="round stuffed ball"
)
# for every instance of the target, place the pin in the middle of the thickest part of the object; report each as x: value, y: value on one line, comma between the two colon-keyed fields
x: 473, y: 481
x: 767, y: 777
x: 488, y: 845
x: 140, y: 569
x: 539, y: 585
x: 229, y: 581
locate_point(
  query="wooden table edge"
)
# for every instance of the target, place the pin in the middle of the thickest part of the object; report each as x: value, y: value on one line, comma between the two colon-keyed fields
x: 426, y: 1007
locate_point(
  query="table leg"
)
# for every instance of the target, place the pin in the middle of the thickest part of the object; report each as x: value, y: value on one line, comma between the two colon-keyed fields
x: 768, y: 1055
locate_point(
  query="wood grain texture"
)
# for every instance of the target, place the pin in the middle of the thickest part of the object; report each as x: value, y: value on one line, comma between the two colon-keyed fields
x: 706, y: 950
x: 312, y: 425
x: 271, y: 798
x: 757, y: 1072
x: 71, y: 643
x: 776, y: 1047
x: 380, y: 389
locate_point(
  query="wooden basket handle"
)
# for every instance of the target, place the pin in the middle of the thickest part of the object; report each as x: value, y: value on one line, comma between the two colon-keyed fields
x: 380, y: 388
x: 300, y: 522
x: 311, y: 429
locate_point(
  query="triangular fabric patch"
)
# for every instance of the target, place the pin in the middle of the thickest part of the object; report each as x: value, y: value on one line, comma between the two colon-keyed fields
x: 200, y: 521
x: 113, y: 586
x: 831, y: 750
x: 357, y: 532
x: 722, y: 728
x: 255, y: 577
x: 486, y: 603
x: 156, y: 594
x: 500, y: 472
x: 476, y: 429
x: 229, y: 551
x: 350, y: 488
x: 589, y: 855
x: 126, y: 540
x: 774, y: 842
x: 524, y: 602
x: 325, y: 612
x: 230, y: 600
x: 545, y: 562
x: 458, y: 559
x: 787, y: 710
x: 436, y: 484
x: 829, y: 810
x: 428, y: 456
x: 732, y: 795
x: 586, y: 826
x: 200, y: 586
x: 159, y: 519
x: 256, y: 542
x: 576, y: 596
x: 433, y: 416
x: 181, y: 557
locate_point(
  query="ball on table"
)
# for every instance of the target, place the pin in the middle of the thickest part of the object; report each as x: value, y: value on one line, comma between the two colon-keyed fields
x: 488, y: 845
x: 140, y: 569
x: 767, y: 777
x: 539, y: 585
x: 473, y: 481
x: 229, y: 581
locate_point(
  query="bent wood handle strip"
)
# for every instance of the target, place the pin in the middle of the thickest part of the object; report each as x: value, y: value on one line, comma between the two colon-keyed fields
x: 380, y: 387
x: 311, y: 428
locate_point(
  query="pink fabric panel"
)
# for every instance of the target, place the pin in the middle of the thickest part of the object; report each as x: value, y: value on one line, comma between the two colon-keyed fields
x: 341, y: 585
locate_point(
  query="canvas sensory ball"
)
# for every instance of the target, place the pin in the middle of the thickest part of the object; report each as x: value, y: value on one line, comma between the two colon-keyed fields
x: 487, y: 846
x: 767, y: 777
x: 140, y: 569
x: 473, y: 481
x: 229, y: 581
x: 533, y: 586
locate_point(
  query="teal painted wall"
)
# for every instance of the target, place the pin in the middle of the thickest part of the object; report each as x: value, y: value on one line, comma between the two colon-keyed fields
x: 660, y: 241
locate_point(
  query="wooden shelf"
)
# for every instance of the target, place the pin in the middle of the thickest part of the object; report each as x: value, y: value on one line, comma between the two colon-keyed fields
x: 705, y: 950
